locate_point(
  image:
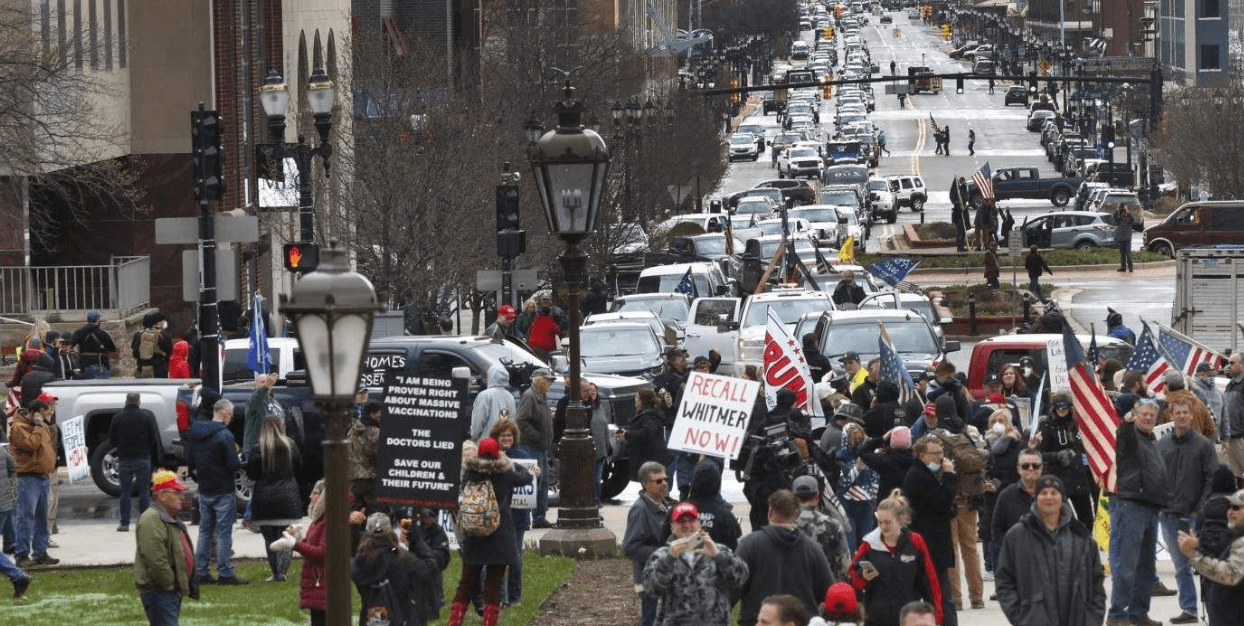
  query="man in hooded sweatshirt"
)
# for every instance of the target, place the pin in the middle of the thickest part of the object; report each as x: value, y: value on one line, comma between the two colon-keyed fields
x: 214, y: 459
x: 886, y: 412
x: 493, y: 403
x: 716, y: 518
x: 781, y: 559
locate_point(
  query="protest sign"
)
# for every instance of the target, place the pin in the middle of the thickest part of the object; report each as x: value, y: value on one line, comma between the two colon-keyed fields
x: 421, y: 430
x: 525, y: 496
x: 73, y: 438
x: 712, y: 418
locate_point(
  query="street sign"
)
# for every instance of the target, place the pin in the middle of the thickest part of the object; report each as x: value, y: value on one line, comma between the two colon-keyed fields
x: 490, y: 280
x: 226, y: 276
x: 229, y: 228
x: 1021, y: 51
x: 899, y: 88
x: 1015, y: 242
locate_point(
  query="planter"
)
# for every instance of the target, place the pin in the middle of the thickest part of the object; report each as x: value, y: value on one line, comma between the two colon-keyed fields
x: 915, y: 241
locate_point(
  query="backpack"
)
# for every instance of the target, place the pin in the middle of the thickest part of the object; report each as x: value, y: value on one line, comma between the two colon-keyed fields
x: 969, y: 460
x: 149, y: 344
x: 478, y: 512
x: 382, y: 606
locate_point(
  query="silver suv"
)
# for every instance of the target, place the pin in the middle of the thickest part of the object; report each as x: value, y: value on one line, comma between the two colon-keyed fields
x: 1082, y: 230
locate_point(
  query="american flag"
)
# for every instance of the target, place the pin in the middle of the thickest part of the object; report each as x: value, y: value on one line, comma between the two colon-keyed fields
x: 1093, y: 355
x: 984, y: 181
x: 892, y: 366
x: 1149, y: 361
x: 1095, y: 414
x: 822, y: 265
x: 1185, y: 353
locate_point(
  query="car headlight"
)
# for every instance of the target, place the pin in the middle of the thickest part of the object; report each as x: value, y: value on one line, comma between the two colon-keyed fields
x: 751, y: 350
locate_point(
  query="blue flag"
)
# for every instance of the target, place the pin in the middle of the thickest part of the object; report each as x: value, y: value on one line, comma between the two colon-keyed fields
x: 892, y: 368
x: 892, y: 270
x: 258, y: 357
x: 686, y: 285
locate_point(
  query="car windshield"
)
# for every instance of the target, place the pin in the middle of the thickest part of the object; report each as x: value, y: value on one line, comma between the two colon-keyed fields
x: 601, y: 340
x: 754, y: 206
x: 788, y: 310
x: 752, y: 128
x: 665, y: 308
x: 815, y: 215
x: 804, y: 248
x: 506, y: 351
x: 770, y: 227
x: 668, y: 283
x: 843, y: 198
x: 912, y: 338
x: 711, y: 246
x: 743, y: 140
x: 852, y: 218
x: 879, y: 185
x: 801, y: 153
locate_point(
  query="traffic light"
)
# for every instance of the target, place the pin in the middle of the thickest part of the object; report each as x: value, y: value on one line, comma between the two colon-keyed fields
x: 959, y: 84
x: 507, y: 207
x: 1107, y: 136
x: 734, y: 97
x: 208, y: 159
x: 302, y: 256
x: 1032, y: 82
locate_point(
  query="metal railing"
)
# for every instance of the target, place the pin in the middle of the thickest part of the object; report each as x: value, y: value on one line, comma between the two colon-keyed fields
x: 117, y: 289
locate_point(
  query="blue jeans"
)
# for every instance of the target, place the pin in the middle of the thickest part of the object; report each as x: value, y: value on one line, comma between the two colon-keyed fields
x: 680, y: 469
x: 1183, y: 571
x: 1034, y: 285
x: 216, y: 514
x: 162, y: 607
x: 95, y: 372
x: 512, y: 586
x: 32, y: 516
x: 10, y: 570
x: 860, y: 514
x: 131, y: 472
x: 541, y: 456
x: 1132, y: 568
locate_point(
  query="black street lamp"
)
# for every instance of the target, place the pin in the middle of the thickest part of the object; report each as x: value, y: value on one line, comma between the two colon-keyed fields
x: 321, y: 96
x: 332, y: 308
x: 569, y: 164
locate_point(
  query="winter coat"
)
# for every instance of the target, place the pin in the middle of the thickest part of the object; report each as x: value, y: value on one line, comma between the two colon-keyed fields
x: 275, y: 499
x: 178, y: 365
x: 213, y: 457
x: 32, y: 445
x: 1233, y: 406
x: 364, y: 448
x: 260, y: 405
x: 848, y: 292
x: 716, y: 520
x: 853, y: 482
x: 499, y: 548
x: 134, y: 433
x: 313, y: 547
x: 932, y: 498
x: 907, y: 573
x: 645, y: 440
x: 1036, y: 265
x: 598, y: 428
x: 164, y: 556
x: 1211, y: 397
x: 880, y: 418
x: 535, y: 420
x: 1123, y: 230
x: 647, y: 528
x: 1062, y: 452
x: 1013, y: 503
x: 543, y: 334
x: 1219, y: 559
x: 1190, y: 463
x: 1201, y: 420
x: 1050, y: 576
x: 94, y: 344
x: 891, y: 464
x: 397, y: 569
x: 1004, y: 459
x: 829, y: 534
x: 33, y: 381
x: 693, y: 588
x: 781, y: 560
x: 429, y: 593
x: 993, y: 268
x: 1142, y: 473
x: 491, y: 402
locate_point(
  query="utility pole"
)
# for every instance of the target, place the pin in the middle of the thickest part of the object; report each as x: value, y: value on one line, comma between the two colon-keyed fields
x: 208, y: 162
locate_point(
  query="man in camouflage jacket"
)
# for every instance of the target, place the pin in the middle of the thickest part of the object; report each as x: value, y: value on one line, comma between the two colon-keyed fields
x: 691, y: 576
x: 825, y: 530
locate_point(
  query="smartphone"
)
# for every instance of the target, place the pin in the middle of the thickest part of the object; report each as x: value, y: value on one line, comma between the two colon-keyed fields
x: 867, y: 566
x: 695, y: 541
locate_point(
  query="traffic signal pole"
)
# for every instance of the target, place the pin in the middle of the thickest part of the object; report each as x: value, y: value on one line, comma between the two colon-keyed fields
x: 510, y: 239
x: 207, y: 162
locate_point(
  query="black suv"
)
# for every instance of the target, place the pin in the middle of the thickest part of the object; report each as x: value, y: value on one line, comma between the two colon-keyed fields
x: 794, y: 192
x: 1016, y: 94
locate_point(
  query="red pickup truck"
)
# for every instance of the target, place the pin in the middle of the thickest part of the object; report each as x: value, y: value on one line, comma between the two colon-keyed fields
x: 993, y: 353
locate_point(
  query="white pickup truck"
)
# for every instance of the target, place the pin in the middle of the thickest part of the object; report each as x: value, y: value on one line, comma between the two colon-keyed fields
x: 736, y: 328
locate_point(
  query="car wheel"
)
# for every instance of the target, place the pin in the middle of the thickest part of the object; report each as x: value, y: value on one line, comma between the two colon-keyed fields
x: 104, y: 469
x: 1163, y: 248
x: 1060, y: 197
x: 977, y: 201
x: 917, y: 204
x: 892, y: 217
x: 1086, y: 246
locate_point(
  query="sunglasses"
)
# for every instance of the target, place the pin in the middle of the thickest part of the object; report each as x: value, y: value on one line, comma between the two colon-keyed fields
x: 1030, y: 466
x: 1236, y: 507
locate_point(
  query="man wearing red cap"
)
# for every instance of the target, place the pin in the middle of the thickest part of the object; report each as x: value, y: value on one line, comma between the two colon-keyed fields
x: 164, y: 557
x: 503, y: 328
x: 34, y: 450
x: 691, y: 575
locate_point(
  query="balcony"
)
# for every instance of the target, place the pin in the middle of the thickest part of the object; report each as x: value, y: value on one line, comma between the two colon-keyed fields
x: 116, y: 290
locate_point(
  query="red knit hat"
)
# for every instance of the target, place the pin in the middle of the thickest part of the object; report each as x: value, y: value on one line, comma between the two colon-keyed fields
x: 488, y: 448
x: 840, y: 599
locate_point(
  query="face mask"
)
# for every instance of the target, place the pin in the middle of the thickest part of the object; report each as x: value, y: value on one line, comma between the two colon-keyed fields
x: 1027, y: 372
x: 933, y: 467
x: 998, y: 428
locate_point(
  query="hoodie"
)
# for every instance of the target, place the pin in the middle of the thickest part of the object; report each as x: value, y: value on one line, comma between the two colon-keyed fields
x: 490, y: 403
x: 781, y: 560
x: 39, y: 375
x: 213, y: 457
x: 882, y: 416
x: 178, y: 366
x: 715, y: 518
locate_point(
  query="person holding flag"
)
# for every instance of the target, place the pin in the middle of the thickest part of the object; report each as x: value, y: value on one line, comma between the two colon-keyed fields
x: 258, y: 356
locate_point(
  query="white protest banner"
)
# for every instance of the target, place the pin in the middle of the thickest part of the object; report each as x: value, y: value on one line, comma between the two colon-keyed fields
x: 525, y: 496
x: 1056, y: 357
x: 73, y: 438
x: 712, y: 418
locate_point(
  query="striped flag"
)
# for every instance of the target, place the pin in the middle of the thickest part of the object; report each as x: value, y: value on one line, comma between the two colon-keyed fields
x: 984, y: 181
x: 786, y: 368
x: 1095, y: 414
x: 1147, y: 360
x: 892, y: 366
x: 1184, y: 352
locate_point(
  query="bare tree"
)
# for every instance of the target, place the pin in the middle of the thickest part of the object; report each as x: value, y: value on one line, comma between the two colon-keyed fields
x: 1200, y: 139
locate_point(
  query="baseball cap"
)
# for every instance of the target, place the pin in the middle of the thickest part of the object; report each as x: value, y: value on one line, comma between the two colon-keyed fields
x: 47, y: 398
x: 92, y: 317
x: 850, y: 356
x: 164, y: 479
x: 684, y: 509
x: 993, y: 378
x: 507, y: 312
x: 543, y: 372
x: 1204, y: 367
x: 840, y: 599
x: 805, y: 486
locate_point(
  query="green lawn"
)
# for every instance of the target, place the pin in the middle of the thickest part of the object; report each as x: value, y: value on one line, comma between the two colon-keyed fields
x: 106, y: 596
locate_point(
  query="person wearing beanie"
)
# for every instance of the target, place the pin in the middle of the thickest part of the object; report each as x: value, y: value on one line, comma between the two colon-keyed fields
x: 1217, y: 550
x: 1049, y: 571
x: 386, y: 573
x: 944, y: 416
x: 1005, y: 443
x: 497, y: 550
x: 930, y: 486
x: 890, y: 456
x: 1062, y: 450
x: 716, y: 517
x: 886, y: 412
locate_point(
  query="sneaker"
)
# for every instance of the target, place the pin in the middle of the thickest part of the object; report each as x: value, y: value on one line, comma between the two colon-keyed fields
x: 1145, y: 621
x: 1184, y: 618
x: 541, y: 524
x: 207, y: 580
x: 53, y: 544
x: 19, y: 587
x: 987, y: 576
x: 123, y: 528
x: 275, y: 578
x: 232, y: 580
x: 1160, y: 590
x: 24, y: 562
x: 44, y: 559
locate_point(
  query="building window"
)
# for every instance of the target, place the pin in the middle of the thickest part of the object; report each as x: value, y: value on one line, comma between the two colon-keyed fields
x: 1209, y: 9
x: 121, y: 33
x: 1209, y: 58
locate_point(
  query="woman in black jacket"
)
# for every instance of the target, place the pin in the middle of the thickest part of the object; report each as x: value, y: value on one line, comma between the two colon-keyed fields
x: 275, y: 501
x: 497, y: 550
x: 1005, y: 442
x: 645, y: 436
x: 1062, y: 450
x: 386, y: 574
x: 899, y: 568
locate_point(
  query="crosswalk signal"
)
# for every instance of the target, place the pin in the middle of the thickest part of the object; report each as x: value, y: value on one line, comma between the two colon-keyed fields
x: 302, y: 256
x: 1032, y: 82
x: 208, y: 159
x: 734, y: 97
x: 959, y: 85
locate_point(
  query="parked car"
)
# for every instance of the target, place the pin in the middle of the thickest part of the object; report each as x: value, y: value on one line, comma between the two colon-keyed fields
x: 1197, y: 224
x: 910, y: 192
x: 622, y: 348
x: 917, y: 344
x: 670, y: 336
x: 672, y: 308
x: 794, y: 191
x: 706, y: 279
x: 1082, y: 230
x: 881, y: 199
x: 743, y: 146
x: 1037, y: 118
x: 757, y: 131
x: 1016, y: 94
x: 828, y: 224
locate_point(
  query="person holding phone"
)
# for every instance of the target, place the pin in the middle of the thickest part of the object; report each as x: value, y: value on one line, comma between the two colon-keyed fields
x: 892, y: 566
x: 691, y: 575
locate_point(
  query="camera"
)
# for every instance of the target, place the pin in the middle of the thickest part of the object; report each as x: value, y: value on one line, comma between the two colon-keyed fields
x: 771, y: 450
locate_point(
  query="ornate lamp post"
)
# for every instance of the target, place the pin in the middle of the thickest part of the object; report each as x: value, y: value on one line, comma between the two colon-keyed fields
x: 569, y: 164
x: 332, y: 309
x: 321, y: 95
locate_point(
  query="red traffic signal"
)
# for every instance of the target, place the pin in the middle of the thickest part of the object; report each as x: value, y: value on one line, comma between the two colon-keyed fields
x: 302, y: 256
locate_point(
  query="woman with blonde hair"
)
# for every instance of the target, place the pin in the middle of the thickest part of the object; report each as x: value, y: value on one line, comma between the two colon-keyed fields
x: 892, y: 566
x: 275, y: 503
x: 312, y: 547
